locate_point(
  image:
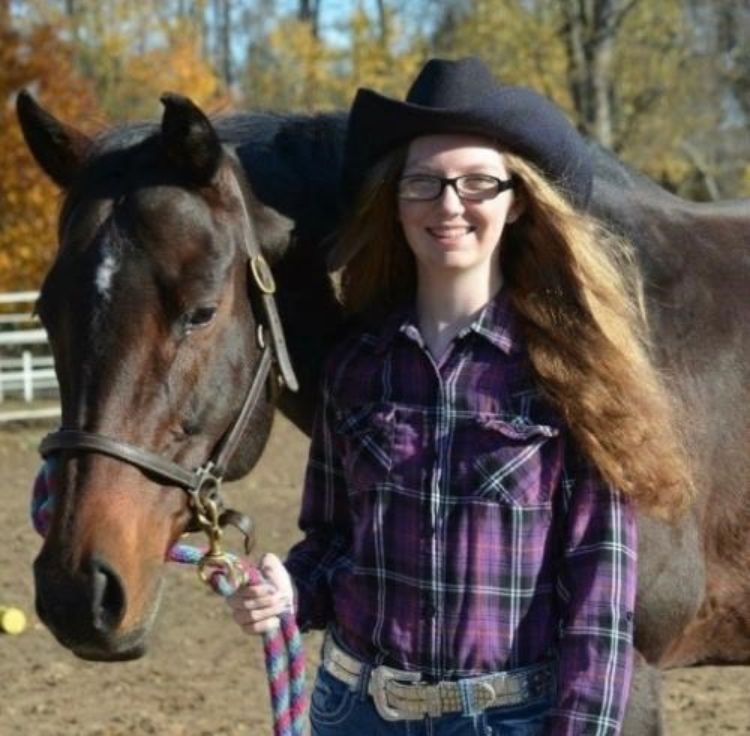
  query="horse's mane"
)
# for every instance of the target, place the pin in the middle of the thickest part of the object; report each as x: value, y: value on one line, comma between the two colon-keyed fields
x: 291, y: 161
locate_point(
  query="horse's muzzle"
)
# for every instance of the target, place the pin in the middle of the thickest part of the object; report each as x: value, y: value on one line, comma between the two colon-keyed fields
x: 85, y: 609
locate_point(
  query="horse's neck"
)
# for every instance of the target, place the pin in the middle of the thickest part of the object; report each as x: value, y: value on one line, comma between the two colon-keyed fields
x: 312, y: 320
x: 292, y: 165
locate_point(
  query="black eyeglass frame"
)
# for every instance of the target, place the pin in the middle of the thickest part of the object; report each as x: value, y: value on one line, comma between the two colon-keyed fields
x: 503, y: 185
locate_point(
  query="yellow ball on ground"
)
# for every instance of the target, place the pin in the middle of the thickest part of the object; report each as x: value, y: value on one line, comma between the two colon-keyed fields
x: 12, y: 620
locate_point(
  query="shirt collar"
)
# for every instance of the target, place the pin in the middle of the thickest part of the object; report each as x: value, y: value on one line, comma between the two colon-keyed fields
x: 497, y: 323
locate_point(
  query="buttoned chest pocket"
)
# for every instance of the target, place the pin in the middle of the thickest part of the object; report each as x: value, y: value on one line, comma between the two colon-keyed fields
x: 382, y: 444
x: 512, y: 462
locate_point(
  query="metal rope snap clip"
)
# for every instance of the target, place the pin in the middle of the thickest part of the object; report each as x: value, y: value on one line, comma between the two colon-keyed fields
x: 220, y: 563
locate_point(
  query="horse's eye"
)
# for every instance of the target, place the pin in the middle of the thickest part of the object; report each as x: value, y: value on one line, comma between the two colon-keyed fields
x: 199, y: 317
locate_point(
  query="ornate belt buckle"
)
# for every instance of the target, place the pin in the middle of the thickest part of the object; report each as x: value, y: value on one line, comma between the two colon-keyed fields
x: 378, y: 688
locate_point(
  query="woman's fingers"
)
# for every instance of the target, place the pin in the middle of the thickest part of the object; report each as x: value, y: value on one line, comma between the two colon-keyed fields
x: 276, y: 574
x: 274, y: 608
x: 262, y: 601
x: 256, y: 608
x: 248, y: 596
x: 248, y: 618
x: 249, y: 626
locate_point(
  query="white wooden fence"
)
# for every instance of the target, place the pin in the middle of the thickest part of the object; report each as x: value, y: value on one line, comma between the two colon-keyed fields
x: 26, y: 368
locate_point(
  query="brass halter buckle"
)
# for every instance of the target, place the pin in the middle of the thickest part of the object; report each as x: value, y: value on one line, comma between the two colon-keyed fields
x: 262, y: 275
x: 206, y: 502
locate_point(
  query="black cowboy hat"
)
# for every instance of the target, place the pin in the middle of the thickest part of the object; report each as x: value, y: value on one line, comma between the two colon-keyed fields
x: 463, y: 97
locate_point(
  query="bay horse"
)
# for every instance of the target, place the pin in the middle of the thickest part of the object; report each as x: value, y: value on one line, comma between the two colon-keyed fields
x: 154, y: 336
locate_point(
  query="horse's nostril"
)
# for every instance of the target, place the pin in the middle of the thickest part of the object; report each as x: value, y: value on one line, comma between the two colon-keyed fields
x: 108, y: 596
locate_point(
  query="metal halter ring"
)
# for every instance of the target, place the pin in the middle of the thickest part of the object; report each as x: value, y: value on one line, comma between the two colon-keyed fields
x: 262, y: 274
x: 224, y: 565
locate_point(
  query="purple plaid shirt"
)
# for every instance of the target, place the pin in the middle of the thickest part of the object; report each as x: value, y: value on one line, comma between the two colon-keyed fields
x: 451, y: 526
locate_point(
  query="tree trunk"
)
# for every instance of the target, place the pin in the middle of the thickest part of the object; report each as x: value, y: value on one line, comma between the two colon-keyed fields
x: 590, y: 30
x: 224, y: 21
x: 383, y: 23
x: 309, y: 12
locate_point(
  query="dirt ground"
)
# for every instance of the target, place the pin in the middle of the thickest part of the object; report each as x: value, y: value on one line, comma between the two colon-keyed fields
x: 202, y: 676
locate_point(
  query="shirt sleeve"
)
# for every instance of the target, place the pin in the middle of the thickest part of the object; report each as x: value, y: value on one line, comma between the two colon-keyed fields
x: 596, y: 588
x: 325, y: 521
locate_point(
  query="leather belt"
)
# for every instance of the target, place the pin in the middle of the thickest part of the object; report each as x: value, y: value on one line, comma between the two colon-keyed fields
x: 400, y: 696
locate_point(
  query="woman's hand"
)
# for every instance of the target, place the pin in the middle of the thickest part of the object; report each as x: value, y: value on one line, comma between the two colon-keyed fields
x: 256, y: 608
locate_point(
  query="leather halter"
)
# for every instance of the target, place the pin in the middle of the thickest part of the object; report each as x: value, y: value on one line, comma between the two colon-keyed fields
x: 204, y: 483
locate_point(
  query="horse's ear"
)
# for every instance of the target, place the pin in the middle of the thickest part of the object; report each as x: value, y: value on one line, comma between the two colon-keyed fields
x: 57, y: 148
x: 190, y: 141
x: 272, y: 229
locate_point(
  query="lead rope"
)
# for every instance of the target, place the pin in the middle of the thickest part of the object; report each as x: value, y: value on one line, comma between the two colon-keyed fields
x: 284, y: 653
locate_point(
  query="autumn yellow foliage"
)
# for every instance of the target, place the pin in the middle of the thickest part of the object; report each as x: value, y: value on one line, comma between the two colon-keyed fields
x: 656, y: 81
x: 520, y: 42
x: 293, y: 70
x: 179, y: 67
x: 29, y: 202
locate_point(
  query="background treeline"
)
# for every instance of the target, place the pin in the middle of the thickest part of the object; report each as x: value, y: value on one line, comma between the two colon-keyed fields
x: 664, y: 83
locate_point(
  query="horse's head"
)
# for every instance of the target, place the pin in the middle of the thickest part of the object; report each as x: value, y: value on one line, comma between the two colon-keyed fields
x: 152, y: 316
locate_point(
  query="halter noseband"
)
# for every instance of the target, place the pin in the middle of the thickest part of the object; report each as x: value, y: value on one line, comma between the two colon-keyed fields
x: 203, y: 484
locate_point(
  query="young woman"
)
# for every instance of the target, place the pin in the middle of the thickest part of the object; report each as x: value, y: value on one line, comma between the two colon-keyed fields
x: 484, y: 436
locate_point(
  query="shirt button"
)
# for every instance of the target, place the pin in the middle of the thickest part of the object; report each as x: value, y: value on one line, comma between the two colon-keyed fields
x: 429, y: 610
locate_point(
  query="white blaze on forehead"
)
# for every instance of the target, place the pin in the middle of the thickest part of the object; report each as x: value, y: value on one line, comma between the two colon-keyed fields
x: 106, y: 271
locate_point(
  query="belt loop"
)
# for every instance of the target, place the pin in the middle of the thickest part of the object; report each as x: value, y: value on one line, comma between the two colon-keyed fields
x: 467, y: 697
x: 363, y: 685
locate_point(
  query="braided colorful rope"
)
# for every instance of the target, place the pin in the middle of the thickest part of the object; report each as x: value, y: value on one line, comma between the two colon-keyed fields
x: 284, y: 654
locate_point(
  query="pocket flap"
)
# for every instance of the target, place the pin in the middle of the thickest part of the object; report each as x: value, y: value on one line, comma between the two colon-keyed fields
x: 357, y: 420
x: 517, y: 428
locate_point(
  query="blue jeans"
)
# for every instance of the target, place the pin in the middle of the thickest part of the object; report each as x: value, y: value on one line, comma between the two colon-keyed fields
x: 335, y: 710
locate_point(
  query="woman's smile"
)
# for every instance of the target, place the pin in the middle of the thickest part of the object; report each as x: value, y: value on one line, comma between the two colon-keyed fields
x: 450, y: 234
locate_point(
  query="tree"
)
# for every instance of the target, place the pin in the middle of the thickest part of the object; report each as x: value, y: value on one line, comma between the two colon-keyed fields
x: 630, y: 73
x: 724, y: 35
x: 177, y: 67
x: 590, y: 34
x: 518, y: 39
x: 309, y: 12
x: 28, y: 201
x: 292, y: 68
x: 114, y: 42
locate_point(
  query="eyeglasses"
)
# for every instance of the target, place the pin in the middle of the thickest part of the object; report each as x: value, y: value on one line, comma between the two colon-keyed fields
x: 471, y: 187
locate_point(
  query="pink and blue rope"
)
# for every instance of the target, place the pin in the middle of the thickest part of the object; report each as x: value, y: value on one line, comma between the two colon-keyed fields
x: 284, y: 653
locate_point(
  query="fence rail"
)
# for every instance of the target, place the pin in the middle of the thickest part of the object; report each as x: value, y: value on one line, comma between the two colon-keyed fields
x: 26, y: 364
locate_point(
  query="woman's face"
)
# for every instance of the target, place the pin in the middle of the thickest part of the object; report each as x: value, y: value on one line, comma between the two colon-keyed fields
x: 450, y: 233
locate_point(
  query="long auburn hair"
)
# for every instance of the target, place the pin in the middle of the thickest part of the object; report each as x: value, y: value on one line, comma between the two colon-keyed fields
x: 576, y: 288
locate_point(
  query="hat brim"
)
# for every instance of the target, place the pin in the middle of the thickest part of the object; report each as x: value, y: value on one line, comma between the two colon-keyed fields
x: 519, y: 119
